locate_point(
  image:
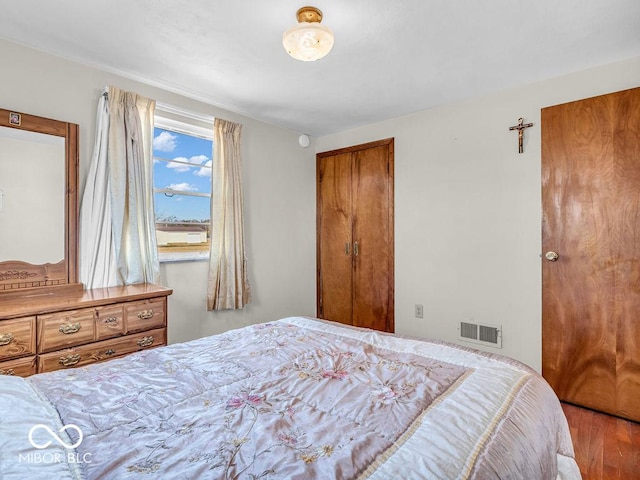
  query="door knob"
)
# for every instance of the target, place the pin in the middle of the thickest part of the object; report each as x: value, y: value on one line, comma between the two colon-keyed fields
x: 552, y: 256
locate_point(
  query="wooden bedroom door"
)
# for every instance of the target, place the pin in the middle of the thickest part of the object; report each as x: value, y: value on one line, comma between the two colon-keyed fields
x: 591, y: 219
x: 355, y: 235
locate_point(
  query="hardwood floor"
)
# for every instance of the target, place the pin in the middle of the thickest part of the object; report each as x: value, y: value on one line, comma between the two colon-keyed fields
x: 606, y: 447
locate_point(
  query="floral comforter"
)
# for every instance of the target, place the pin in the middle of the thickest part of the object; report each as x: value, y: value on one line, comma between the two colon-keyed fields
x: 293, y: 399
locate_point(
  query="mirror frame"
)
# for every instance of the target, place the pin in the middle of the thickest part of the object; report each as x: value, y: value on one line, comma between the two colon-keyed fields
x: 19, y: 276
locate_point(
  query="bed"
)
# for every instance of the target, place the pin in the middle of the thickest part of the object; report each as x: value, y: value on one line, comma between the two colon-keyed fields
x: 297, y: 398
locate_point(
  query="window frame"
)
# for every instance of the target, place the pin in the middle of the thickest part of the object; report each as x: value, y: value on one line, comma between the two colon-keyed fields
x: 188, y: 124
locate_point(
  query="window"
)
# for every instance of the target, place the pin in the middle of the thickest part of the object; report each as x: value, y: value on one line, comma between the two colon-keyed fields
x: 182, y: 189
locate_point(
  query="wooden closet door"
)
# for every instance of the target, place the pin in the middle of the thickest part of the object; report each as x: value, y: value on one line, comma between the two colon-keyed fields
x: 591, y: 293
x: 355, y: 235
x: 372, y: 232
x: 334, y: 226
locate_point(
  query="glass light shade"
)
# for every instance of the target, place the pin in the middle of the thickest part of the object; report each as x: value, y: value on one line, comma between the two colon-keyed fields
x: 308, y: 41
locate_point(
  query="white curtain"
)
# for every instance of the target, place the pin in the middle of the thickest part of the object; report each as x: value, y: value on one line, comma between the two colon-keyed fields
x: 117, y: 227
x: 228, y: 284
x: 97, y: 257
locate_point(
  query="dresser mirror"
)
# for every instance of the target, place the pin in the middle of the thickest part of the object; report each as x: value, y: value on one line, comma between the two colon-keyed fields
x: 38, y: 203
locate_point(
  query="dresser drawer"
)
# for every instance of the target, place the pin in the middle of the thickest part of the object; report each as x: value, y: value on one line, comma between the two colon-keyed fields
x: 22, y: 367
x: 65, y: 329
x: 99, y: 351
x: 109, y: 321
x: 145, y: 314
x: 17, y: 337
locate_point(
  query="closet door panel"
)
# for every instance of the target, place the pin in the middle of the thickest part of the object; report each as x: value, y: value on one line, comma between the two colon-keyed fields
x: 372, y: 232
x: 335, y: 244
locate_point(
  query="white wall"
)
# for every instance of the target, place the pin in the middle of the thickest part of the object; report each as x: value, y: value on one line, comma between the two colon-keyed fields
x: 279, y: 187
x: 468, y: 208
x: 467, y: 205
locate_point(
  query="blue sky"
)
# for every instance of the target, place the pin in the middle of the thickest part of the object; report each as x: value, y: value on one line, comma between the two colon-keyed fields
x: 194, y: 177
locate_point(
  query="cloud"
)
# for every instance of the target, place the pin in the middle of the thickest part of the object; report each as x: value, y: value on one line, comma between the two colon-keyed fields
x: 196, y: 160
x: 199, y: 159
x: 183, y: 187
x: 205, y: 172
x: 179, y: 167
x: 165, y: 142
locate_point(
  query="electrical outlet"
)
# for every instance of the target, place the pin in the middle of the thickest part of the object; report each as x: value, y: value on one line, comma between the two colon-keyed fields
x: 419, y: 311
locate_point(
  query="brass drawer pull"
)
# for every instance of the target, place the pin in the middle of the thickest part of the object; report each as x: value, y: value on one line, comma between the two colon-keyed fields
x: 70, y: 328
x: 145, y: 341
x: 5, y: 339
x: 109, y: 352
x: 145, y: 314
x: 8, y: 371
x: 70, y: 360
x: 111, y: 320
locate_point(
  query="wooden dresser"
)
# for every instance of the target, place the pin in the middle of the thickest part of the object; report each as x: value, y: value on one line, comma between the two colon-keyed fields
x: 46, y: 332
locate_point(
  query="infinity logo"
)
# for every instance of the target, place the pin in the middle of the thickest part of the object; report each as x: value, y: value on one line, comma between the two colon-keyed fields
x: 55, y: 436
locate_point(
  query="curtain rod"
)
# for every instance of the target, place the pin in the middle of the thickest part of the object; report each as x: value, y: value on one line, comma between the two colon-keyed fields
x: 165, y: 107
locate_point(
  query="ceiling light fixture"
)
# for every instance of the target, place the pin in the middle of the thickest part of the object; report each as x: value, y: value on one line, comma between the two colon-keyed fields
x: 308, y: 40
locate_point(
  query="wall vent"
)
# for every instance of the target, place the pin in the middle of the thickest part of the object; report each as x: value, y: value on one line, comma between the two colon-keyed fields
x: 490, y: 335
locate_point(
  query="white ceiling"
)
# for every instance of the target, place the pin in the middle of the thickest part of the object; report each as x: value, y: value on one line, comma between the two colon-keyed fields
x: 391, y: 57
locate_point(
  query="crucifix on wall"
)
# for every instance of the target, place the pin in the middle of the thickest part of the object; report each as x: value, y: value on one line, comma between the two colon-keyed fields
x: 520, y: 128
